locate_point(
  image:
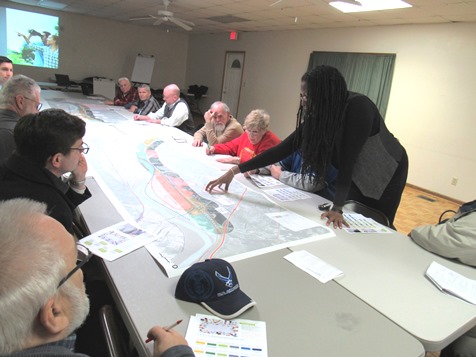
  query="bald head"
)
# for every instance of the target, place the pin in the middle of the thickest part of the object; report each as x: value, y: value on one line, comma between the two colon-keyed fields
x: 171, y: 94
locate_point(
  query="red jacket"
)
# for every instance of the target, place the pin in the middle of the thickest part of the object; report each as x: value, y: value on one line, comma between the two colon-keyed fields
x: 244, y: 149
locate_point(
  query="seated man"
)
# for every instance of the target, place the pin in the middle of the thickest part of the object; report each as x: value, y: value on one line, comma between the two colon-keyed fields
x: 6, y: 70
x: 42, y: 294
x: 288, y: 171
x: 174, y: 112
x: 146, y: 102
x: 220, y: 126
x: 48, y: 145
x: 19, y: 96
x: 256, y: 139
x: 126, y: 96
x: 456, y: 239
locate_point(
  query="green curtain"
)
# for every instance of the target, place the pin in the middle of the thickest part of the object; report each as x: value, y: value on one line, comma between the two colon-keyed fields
x: 367, y: 73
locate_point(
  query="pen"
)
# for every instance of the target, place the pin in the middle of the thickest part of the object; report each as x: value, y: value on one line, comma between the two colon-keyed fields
x: 166, y: 329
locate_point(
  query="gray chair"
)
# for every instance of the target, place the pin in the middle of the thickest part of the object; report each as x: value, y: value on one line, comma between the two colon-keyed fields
x: 368, y: 212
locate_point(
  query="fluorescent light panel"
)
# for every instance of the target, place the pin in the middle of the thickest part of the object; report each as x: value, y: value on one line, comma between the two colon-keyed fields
x: 369, y: 5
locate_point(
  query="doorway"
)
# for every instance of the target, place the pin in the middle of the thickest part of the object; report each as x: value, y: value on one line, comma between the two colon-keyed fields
x: 232, y: 76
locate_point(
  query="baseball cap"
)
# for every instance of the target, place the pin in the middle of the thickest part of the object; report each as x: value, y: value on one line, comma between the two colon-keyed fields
x: 214, y: 284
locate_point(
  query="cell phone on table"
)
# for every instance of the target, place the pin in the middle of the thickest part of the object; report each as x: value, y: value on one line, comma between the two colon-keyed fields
x: 324, y: 207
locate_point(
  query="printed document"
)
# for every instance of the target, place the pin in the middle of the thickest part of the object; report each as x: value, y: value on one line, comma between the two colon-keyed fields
x: 452, y: 283
x: 117, y: 240
x: 211, y: 336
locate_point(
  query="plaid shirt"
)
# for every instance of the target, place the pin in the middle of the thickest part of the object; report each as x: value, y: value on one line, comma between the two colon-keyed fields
x: 50, y: 58
x: 126, y: 98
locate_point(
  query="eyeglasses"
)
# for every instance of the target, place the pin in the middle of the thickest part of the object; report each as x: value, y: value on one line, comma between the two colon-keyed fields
x: 84, y: 149
x: 38, y: 104
x: 84, y: 254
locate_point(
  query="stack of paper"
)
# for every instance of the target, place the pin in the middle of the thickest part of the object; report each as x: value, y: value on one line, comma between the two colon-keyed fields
x: 211, y: 336
x: 451, y: 282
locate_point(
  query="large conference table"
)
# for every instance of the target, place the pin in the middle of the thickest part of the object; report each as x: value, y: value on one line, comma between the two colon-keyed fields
x: 303, y: 317
x: 383, y: 305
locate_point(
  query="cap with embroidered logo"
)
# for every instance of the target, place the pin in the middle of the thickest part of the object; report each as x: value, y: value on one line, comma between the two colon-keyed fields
x: 214, y: 284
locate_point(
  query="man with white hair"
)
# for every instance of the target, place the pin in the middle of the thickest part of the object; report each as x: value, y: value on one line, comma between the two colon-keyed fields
x: 42, y: 295
x: 220, y: 126
x: 19, y: 96
x: 126, y: 95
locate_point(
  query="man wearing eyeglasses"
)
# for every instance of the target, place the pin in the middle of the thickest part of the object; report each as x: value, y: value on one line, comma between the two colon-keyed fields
x: 18, y: 97
x: 42, y: 294
x: 49, y: 144
x: 174, y: 112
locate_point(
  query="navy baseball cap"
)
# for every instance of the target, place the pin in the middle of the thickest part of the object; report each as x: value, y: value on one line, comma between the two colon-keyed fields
x: 214, y: 284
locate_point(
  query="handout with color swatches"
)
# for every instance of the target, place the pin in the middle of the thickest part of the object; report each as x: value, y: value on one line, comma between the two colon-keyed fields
x: 211, y: 336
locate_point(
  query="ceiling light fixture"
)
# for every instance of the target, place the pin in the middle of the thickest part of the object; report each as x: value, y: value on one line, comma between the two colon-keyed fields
x: 368, y: 5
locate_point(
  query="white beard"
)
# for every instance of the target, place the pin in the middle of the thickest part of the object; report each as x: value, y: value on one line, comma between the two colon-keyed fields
x: 79, y: 303
x: 219, y: 128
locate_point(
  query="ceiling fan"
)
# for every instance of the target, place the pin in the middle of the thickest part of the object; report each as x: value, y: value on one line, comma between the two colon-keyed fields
x: 166, y: 16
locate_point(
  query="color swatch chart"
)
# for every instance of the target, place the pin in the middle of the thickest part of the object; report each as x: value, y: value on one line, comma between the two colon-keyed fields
x: 212, y: 336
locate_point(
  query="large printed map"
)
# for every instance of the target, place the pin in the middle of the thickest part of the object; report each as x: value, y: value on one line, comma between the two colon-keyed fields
x: 156, y: 180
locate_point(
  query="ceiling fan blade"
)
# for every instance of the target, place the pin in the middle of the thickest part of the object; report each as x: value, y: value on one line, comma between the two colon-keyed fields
x: 275, y: 3
x: 159, y: 21
x: 148, y: 17
x: 189, y: 23
x: 180, y: 23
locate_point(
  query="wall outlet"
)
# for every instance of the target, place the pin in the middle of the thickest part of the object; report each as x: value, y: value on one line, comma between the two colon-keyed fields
x: 454, y: 181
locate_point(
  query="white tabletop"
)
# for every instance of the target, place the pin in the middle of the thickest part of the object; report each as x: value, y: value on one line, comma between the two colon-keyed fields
x: 303, y: 316
x: 388, y: 273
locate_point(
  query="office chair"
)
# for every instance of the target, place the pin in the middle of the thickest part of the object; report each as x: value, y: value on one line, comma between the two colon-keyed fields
x: 368, y: 212
x: 115, y: 333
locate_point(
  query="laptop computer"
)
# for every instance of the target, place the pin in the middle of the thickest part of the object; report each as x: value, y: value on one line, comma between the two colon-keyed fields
x: 62, y: 80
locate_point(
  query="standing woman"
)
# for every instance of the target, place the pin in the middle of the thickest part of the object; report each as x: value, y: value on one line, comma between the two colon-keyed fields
x: 344, y: 129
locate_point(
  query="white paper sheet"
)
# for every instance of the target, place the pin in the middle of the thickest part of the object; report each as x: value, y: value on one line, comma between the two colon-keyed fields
x: 314, y: 266
x: 361, y: 224
x: 292, y: 221
x: 287, y: 194
x: 211, y: 336
x: 117, y: 240
x: 452, y: 283
x: 265, y: 181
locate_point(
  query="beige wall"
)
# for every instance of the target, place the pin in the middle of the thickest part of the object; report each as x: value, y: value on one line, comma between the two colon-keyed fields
x: 91, y: 46
x: 429, y: 108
